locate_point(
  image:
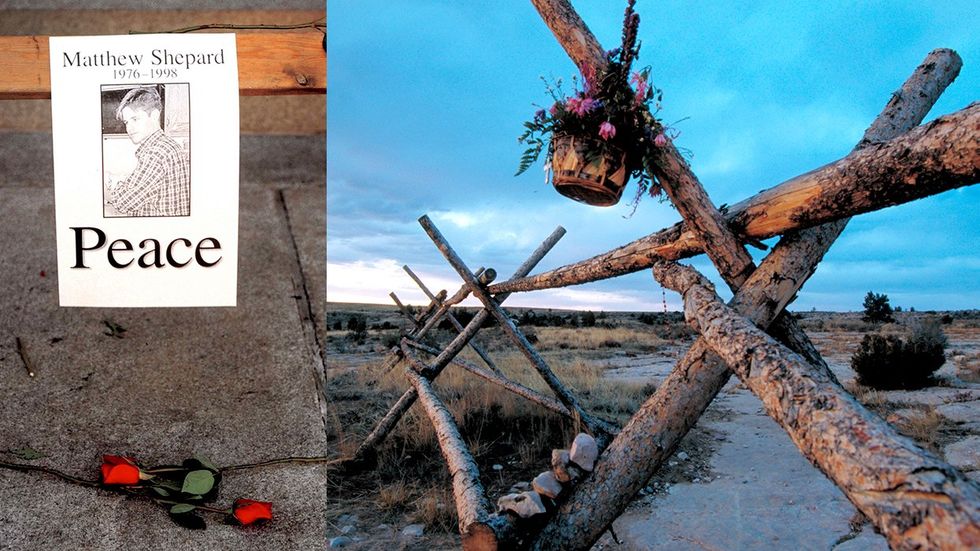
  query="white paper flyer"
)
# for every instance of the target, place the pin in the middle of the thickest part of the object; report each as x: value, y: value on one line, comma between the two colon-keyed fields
x: 145, y: 131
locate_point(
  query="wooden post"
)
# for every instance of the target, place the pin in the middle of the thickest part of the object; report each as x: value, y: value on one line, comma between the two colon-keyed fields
x: 269, y: 63
x: 653, y: 432
x: 912, y: 497
x: 405, y: 311
x: 366, y: 450
x: 599, y: 428
x: 452, y: 319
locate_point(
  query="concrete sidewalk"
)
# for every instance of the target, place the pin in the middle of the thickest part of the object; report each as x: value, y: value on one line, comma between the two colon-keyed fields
x: 238, y: 385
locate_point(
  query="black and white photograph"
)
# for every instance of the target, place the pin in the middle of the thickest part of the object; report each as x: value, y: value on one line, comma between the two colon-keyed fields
x: 146, y: 150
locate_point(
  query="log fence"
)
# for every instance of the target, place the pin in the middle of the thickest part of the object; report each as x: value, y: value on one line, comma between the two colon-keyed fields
x: 916, y: 500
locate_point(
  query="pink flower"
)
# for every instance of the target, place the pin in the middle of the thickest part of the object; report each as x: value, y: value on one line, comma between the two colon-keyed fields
x: 641, y: 87
x: 554, y: 109
x: 573, y: 105
x: 607, y: 130
x: 581, y: 106
x: 660, y: 140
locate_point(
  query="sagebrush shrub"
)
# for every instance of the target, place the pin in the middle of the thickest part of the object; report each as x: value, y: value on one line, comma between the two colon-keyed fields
x: 887, y: 362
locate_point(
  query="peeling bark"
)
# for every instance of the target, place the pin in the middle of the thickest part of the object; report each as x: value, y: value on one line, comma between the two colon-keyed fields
x: 915, y: 499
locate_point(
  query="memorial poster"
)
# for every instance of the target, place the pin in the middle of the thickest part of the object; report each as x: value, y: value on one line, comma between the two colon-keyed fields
x: 146, y: 144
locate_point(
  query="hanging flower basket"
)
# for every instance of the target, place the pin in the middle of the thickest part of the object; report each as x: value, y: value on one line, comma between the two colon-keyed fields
x: 605, y: 132
x: 585, y: 175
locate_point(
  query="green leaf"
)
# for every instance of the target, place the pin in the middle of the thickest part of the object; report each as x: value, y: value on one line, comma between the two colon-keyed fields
x: 28, y: 454
x: 169, y: 485
x: 206, y: 463
x: 198, y: 482
x: 160, y: 491
x: 181, y: 508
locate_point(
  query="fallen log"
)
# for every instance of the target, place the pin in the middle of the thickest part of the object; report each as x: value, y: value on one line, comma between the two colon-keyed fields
x: 913, y: 498
x: 936, y: 157
x: 472, y: 506
x: 654, y: 431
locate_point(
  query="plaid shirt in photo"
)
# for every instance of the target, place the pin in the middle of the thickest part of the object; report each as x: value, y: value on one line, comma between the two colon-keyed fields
x: 160, y: 185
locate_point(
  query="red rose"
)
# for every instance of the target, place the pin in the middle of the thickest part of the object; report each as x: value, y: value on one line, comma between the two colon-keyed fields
x: 248, y: 511
x: 119, y: 470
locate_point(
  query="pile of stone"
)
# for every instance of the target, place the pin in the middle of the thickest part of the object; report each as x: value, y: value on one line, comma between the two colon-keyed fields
x: 567, y: 468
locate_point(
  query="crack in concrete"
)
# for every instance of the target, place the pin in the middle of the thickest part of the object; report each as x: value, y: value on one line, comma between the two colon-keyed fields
x: 307, y: 316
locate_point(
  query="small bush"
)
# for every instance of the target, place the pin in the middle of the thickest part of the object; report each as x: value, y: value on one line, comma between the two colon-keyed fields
x: 888, y: 362
x: 877, y: 309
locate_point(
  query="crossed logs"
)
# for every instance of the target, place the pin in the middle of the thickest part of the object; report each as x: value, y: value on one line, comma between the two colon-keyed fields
x: 916, y: 500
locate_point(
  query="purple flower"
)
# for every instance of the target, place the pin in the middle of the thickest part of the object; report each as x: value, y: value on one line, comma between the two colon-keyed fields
x: 660, y: 140
x: 539, y: 115
x: 607, y: 130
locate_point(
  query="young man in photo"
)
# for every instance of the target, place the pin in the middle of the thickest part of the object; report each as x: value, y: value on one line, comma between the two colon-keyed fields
x: 160, y: 184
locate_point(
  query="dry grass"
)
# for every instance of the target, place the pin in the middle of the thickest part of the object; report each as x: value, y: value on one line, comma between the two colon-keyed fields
x: 593, y: 338
x: 411, y: 483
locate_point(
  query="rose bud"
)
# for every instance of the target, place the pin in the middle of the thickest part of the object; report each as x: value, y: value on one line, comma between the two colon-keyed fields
x: 119, y: 470
x: 248, y: 511
x: 660, y: 140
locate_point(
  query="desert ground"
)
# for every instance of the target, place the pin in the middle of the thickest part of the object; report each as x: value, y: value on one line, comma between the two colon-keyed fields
x: 735, y: 482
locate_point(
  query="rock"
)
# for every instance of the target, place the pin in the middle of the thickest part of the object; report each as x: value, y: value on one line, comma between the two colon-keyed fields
x: 562, y: 467
x: 584, y: 451
x: 413, y: 530
x: 547, y: 484
x: 683, y: 456
x: 497, y: 467
x: 519, y: 487
x: 965, y: 454
x: 382, y: 528
x: 340, y: 541
x: 347, y: 529
x: 524, y: 504
x: 934, y: 396
x: 347, y: 519
x: 962, y: 412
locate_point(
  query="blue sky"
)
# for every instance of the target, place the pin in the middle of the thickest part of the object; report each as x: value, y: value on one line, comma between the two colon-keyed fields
x: 427, y: 98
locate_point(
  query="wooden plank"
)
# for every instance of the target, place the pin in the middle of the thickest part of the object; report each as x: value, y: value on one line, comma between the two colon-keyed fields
x: 269, y: 63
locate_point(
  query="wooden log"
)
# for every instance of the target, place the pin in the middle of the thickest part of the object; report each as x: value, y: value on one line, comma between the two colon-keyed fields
x: 596, y: 426
x: 405, y: 311
x: 365, y: 452
x: 654, y: 431
x: 933, y: 158
x: 269, y: 63
x: 472, y: 506
x: 452, y: 320
x: 913, y: 498
x: 420, y: 330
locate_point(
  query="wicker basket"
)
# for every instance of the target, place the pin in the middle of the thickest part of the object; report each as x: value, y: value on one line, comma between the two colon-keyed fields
x: 599, y: 182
